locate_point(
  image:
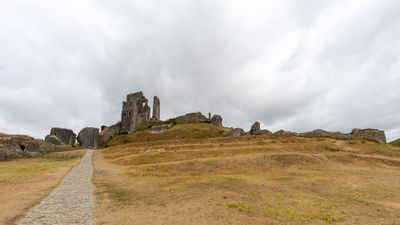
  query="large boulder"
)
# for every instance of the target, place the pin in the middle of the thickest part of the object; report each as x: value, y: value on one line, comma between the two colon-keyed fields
x: 236, y: 132
x: 216, y: 120
x: 18, y: 146
x: 109, y: 132
x: 369, y: 134
x: 191, y: 118
x: 66, y: 136
x: 88, y: 137
x: 53, y: 139
x: 255, y: 129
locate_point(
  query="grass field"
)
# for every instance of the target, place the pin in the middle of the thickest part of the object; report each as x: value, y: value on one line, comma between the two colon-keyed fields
x: 24, y: 182
x: 247, y: 180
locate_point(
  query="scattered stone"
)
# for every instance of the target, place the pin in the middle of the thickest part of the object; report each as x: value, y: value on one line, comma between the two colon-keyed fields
x: 236, y: 132
x: 216, y: 120
x: 191, y: 118
x: 156, y: 108
x: 369, y: 134
x: 109, y: 132
x: 53, y: 139
x: 88, y: 137
x: 255, y: 129
x: 66, y: 136
x: 135, y: 111
x: 160, y: 129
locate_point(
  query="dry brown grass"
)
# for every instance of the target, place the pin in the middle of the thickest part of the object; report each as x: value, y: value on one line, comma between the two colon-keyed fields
x: 248, y: 180
x: 24, y: 182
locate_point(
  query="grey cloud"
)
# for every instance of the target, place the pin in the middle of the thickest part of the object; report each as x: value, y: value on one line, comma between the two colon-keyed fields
x: 289, y: 64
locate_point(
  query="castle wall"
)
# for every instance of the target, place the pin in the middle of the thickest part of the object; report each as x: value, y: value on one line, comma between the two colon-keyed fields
x: 135, y: 111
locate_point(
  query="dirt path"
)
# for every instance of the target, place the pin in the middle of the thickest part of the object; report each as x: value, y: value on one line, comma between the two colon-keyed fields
x: 72, y: 202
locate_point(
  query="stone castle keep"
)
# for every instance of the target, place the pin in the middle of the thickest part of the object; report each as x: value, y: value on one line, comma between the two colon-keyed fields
x: 136, y: 111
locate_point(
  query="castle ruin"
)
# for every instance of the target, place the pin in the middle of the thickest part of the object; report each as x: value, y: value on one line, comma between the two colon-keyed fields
x: 136, y: 111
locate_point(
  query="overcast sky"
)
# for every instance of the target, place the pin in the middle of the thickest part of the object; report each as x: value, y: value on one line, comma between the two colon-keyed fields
x: 290, y: 64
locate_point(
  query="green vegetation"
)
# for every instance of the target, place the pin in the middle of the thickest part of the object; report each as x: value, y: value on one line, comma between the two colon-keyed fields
x: 395, y: 143
x: 150, y: 123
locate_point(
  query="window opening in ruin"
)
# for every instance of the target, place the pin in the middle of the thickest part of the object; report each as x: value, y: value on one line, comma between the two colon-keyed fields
x: 124, y: 114
x: 22, y: 147
x: 129, y: 113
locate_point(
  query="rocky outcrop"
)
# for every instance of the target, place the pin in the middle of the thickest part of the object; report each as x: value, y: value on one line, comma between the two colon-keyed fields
x: 216, y: 120
x: 328, y: 134
x: 109, y: 132
x: 18, y: 146
x: 191, y: 118
x: 369, y: 134
x: 53, y: 139
x: 236, y: 132
x: 255, y: 129
x: 265, y: 132
x: 88, y: 137
x: 66, y: 136
x: 156, y: 108
x: 286, y: 133
x: 160, y: 129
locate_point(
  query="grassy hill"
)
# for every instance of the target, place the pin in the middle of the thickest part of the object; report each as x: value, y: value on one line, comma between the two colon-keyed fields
x: 193, y: 175
x: 395, y: 143
x: 177, y: 132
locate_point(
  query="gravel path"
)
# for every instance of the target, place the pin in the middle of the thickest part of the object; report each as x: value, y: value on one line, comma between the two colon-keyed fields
x: 71, y: 202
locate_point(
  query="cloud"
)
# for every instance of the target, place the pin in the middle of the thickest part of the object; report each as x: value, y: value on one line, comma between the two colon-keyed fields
x: 290, y: 65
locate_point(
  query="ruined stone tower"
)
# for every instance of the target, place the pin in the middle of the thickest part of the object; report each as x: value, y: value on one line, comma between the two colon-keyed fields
x: 135, y: 111
x: 156, y: 108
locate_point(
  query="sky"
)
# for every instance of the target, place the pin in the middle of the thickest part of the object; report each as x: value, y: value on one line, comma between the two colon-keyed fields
x: 289, y: 64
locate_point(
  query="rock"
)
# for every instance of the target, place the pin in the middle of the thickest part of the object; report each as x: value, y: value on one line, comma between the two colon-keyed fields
x: 237, y: 132
x: 255, y: 129
x: 156, y: 108
x: 191, y: 118
x: 53, y: 139
x: 323, y: 133
x: 283, y: 132
x: 160, y: 129
x: 66, y: 136
x: 265, y: 132
x: 18, y: 146
x: 109, y: 132
x: 369, y: 134
x: 88, y: 137
x: 216, y: 120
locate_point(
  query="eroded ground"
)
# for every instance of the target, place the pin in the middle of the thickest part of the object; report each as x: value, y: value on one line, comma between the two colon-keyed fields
x: 251, y: 180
